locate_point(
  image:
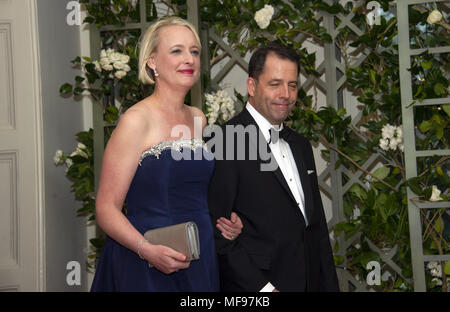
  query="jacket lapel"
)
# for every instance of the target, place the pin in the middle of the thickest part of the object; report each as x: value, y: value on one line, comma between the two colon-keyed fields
x: 304, y: 178
x: 246, y: 120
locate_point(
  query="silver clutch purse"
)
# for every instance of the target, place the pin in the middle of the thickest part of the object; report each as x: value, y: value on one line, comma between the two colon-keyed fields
x: 181, y: 237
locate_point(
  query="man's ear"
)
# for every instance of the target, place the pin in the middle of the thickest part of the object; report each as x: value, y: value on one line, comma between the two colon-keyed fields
x: 251, y: 86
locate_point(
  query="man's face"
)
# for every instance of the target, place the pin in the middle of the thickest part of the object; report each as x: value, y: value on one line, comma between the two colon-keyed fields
x: 274, y: 93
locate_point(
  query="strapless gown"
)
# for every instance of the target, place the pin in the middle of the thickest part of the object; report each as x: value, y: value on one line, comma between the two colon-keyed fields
x: 170, y: 186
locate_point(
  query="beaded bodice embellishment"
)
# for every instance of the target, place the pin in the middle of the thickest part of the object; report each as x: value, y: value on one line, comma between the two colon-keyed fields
x: 177, y: 145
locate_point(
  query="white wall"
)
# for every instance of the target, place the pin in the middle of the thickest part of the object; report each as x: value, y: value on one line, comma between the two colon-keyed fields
x: 62, y: 119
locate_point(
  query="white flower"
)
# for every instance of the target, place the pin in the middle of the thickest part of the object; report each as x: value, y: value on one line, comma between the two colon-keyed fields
x: 120, y: 73
x: 435, y: 268
x: 69, y: 162
x: 384, y: 144
x: 124, y: 58
x: 434, y: 17
x: 108, y: 67
x: 436, y: 272
x: 438, y: 281
x: 211, y: 120
x: 393, y: 144
x: 123, y: 41
x: 264, y: 16
x: 392, y: 138
x: 98, y: 67
x: 219, y: 107
x: 432, y: 264
x: 215, y: 106
x: 388, y: 131
x: 57, y: 159
x: 104, y: 61
x: 119, y: 65
x: 115, y: 56
x: 112, y: 60
x: 79, y: 151
x: 435, y: 194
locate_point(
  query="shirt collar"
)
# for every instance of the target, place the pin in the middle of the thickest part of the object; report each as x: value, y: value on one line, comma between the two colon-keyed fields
x: 263, y: 124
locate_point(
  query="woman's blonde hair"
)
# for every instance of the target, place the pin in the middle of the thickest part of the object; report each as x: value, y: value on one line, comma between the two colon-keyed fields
x: 149, y: 43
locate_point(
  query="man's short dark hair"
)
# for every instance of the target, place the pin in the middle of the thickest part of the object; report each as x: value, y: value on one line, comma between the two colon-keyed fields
x: 258, y: 59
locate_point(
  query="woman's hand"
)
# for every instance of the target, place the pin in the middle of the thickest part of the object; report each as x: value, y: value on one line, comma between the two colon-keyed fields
x: 164, y: 258
x: 230, y: 229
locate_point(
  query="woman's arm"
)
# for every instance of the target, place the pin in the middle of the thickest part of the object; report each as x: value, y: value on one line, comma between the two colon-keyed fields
x: 120, y: 161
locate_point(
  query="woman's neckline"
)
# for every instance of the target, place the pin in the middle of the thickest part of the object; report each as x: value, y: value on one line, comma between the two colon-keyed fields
x: 165, y: 142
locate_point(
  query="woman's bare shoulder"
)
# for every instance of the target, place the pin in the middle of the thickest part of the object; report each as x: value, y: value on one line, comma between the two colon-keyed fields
x: 135, y: 118
x: 198, y: 113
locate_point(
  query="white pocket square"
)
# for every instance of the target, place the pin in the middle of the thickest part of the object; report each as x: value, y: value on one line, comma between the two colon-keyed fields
x: 310, y: 171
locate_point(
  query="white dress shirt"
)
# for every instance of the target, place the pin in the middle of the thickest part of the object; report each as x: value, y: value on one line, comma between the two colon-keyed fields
x: 285, y: 160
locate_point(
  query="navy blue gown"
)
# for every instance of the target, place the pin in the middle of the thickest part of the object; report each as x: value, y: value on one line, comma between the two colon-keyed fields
x: 170, y: 186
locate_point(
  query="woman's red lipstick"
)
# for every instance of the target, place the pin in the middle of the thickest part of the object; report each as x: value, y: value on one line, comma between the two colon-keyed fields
x: 187, y: 71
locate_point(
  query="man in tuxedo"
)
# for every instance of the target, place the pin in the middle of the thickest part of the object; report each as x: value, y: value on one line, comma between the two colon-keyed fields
x: 284, y: 244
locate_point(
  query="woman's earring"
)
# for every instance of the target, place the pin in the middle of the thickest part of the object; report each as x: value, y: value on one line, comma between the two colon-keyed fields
x: 156, y: 73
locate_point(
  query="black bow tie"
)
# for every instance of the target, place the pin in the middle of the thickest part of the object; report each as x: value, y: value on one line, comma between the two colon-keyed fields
x: 275, y: 135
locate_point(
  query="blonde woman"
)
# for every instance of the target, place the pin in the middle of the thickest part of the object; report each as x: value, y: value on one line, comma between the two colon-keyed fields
x: 161, y: 173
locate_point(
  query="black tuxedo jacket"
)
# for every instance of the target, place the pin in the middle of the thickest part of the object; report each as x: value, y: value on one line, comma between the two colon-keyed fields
x: 275, y: 245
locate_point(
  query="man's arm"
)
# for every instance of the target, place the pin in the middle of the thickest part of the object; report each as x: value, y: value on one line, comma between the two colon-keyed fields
x: 233, y: 258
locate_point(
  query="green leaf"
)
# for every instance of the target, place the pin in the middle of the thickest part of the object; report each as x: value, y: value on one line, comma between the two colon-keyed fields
x: 367, y: 257
x: 381, y: 205
x: 79, y: 79
x: 439, y: 89
x: 396, y: 171
x: 78, y: 91
x: 65, y: 89
x: 338, y: 260
x: 358, y: 191
x: 90, y: 68
x: 425, y: 125
x: 427, y: 64
x: 381, y: 173
x: 89, y: 20
x: 373, y: 76
x: 76, y: 60
x: 336, y: 247
x: 439, y: 132
x: 439, y: 225
x: 447, y: 268
x: 348, y: 209
x: 341, y: 112
x: 446, y: 108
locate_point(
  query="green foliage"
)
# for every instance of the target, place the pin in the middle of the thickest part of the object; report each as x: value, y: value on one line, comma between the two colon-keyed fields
x: 382, y: 210
x: 79, y: 169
